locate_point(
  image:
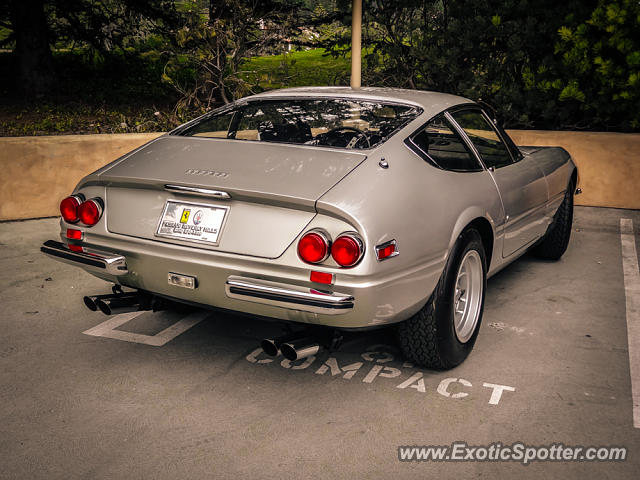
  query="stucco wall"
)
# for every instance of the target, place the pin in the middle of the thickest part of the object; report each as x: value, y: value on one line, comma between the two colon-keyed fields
x: 608, y: 163
x: 37, y: 172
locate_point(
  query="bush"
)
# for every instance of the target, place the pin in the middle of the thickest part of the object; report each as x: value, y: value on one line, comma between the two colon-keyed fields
x: 538, y: 63
x: 112, y: 93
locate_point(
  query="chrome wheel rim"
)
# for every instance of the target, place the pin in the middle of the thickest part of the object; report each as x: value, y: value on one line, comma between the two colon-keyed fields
x: 467, y: 296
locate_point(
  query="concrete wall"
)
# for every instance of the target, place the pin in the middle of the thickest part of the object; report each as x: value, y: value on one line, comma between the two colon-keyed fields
x: 37, y: 172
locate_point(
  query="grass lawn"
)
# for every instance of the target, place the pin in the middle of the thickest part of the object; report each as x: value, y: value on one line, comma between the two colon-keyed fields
x: 296, y: 69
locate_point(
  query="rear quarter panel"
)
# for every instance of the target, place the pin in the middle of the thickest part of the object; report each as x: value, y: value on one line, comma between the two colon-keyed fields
x: 423, y: 208
x: 557, y: 167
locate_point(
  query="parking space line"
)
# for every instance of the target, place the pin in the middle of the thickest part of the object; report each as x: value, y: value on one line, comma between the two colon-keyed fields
x: 632, y: 295
x: 108, y: 329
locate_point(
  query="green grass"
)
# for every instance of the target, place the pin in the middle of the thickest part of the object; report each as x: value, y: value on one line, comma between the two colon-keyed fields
x: 296, y: 69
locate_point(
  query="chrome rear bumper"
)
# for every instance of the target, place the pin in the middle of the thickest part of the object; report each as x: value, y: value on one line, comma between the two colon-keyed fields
x: 96, y: 260
x: 288, y: 296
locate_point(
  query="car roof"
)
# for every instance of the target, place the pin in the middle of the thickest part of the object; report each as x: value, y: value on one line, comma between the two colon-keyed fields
x: 431, y: 102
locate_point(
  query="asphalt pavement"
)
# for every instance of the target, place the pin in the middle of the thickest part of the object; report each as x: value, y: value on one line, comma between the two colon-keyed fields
x: 181, y: 394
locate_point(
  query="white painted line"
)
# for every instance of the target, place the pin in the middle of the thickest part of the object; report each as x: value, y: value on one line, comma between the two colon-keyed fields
x: 108, y: 329
x: 632, y: 294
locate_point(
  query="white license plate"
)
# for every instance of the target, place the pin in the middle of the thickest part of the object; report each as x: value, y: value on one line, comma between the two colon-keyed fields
x: 192, y: 222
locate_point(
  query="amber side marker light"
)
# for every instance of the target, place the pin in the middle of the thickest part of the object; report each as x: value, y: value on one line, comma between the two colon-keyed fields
x: 321, y: 277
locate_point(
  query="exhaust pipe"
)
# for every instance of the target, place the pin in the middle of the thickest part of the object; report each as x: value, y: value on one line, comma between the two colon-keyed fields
x: 91, y: 301
x: 114, y: 304
x: 271, y: 346
x: 299, y: 349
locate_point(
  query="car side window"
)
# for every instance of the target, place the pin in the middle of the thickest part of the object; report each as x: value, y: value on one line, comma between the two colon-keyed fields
x: 214, y: 127
x: 516, y: 154
x: 444, y: 147
x: 492, y: 150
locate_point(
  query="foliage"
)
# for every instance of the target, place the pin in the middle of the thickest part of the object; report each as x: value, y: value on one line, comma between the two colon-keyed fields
x: 70, y: 118
x: 93, y: 96
x: 119, y: 76
x: 486, y: 50
x: 214, y: 49
x: 102, y: 25
x: 105, y: 101
x: 36, y: 25
x: 537, y: 63
x: 600, y: 74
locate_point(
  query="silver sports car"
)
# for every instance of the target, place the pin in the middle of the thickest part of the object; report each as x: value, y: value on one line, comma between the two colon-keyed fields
x: 329, y: 209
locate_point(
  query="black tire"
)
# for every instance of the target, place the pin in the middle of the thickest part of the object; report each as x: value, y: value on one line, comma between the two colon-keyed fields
x: 428, y: 339
x: 556, y: 240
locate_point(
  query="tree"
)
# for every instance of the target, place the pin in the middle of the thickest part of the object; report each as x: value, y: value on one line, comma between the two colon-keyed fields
x: 600, y: 73
x: 31, y: 36
x: 108, y: 24
x: 215, y: 48
x: 37, y: 24
x: 481, y: 49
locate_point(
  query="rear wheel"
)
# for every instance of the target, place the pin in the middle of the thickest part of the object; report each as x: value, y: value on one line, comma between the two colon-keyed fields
x: 555, y: 242
x: 442, y: 334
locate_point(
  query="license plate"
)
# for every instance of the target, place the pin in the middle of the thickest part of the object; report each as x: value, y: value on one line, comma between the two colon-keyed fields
x: 192, y: 222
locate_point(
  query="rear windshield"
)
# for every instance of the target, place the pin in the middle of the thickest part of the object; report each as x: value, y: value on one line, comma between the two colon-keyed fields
x: 342, y: 123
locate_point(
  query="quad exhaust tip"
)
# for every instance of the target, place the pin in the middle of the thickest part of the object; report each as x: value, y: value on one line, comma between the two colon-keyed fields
x: 91, y: 301
x: 116, y: 304
x: 299, y: 349
x: 293, y: 346
x: 271, y: 346
x: 113, y: 304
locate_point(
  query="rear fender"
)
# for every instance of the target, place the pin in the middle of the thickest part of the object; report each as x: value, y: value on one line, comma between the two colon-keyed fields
x: 465, y: 219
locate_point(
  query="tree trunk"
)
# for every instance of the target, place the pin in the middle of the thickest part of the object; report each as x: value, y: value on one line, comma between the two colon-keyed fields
x: 33, y: 53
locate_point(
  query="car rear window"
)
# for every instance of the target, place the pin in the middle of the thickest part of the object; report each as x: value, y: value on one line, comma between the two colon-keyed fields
x: 341, y: 123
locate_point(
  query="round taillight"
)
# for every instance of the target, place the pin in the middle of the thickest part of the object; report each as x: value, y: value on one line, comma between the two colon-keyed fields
x: 347, y: 250
x: 313, y: 247
x: 69, y: 209
x: 90, y: 211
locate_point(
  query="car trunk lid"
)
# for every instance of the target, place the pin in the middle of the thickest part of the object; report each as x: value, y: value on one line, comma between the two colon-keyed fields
x: 273, y: 189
